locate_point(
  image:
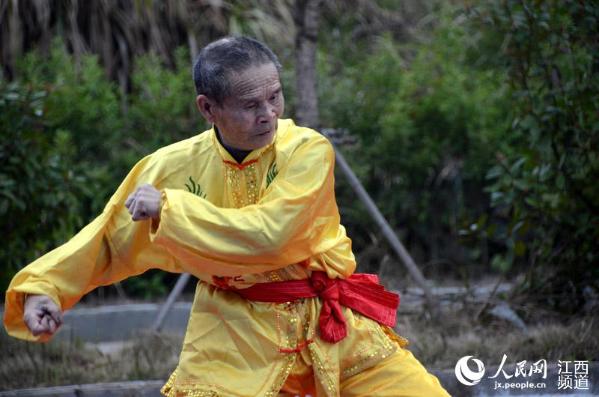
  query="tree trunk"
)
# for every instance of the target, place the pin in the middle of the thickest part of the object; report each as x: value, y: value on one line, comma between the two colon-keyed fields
x: 306, y: 14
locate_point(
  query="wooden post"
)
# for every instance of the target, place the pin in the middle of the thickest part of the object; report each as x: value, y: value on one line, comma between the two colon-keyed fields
x: 397, y: 246
x: 172, y: 297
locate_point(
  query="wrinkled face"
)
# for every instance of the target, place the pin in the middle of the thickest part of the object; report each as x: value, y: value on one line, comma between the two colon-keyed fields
x: 247, y: 119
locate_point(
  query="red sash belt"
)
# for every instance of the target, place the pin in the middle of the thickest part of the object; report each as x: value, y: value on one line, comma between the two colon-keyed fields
x: 360, y: 292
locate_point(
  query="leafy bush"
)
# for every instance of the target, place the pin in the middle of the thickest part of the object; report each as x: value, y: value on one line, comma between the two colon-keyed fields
x: 69, y: 137
x: 83, y: 103
x: 429, y: 123
x: 162, y: 106
x: 42, y: 181
x: 545, y: 185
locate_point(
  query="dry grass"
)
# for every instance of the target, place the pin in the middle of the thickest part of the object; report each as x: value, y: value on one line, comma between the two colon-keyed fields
x: 25, y: 365
x: 440, y: 345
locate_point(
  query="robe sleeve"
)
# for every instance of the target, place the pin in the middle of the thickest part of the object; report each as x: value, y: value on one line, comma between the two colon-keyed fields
x: 109, y: 249
x: 296, y: 218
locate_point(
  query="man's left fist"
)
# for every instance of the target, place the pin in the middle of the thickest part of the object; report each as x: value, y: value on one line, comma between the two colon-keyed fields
x: 144, y: 203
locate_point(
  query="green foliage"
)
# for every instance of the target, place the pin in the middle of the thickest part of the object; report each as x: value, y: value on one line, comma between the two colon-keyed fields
x: 479, y: 140
x: 68, y: 139
x: 149, y: 286
x: 41, y: 181
x: 429, y: 124
x: 162, y: 103
x: 545, y: 185
x: 83, y: 103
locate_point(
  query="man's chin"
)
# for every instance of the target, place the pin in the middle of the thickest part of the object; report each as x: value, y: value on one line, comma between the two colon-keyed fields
x: 265, y: 139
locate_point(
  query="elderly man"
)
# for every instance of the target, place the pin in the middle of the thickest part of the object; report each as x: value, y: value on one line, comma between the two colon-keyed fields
x: 249, y: 208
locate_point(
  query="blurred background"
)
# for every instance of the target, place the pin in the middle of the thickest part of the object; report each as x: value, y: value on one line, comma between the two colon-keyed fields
x: 473, y: 125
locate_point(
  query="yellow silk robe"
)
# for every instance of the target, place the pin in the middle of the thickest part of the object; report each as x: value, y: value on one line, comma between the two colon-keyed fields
x: 272, y: 218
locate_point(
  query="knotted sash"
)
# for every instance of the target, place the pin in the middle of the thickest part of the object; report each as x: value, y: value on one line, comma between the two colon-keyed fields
x: 360, y: 292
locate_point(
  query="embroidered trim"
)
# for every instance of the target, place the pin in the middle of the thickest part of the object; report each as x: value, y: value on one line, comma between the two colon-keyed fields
x: 234, y: 176
x: 400, y: 340
x: 321, y: 373
x: 298, y: 348
x: 290, y: 339
x: 282, y: 376
x: 172, y: 390
x: 389, y: 347
x: 241, y: 166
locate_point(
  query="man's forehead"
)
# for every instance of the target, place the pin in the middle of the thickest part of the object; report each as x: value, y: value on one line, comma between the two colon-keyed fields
x: 254, y: 81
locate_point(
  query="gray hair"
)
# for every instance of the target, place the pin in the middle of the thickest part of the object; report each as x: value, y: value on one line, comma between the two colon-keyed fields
x: 222, y: 57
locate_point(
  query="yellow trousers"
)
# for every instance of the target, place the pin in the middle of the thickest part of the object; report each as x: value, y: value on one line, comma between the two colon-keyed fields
x: 399, y: 375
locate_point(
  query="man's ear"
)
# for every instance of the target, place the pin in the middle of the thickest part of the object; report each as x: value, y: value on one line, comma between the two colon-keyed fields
x: 206, y: 106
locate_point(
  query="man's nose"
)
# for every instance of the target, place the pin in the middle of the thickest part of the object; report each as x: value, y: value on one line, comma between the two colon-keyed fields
x: 267, y: 112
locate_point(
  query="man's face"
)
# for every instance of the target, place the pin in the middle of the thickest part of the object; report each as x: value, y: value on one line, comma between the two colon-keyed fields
x: 247, y: 119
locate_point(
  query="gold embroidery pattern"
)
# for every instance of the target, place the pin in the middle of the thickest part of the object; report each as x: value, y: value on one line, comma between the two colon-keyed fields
x: 290, y: 341
x: 360, y: 353
x: 172, y: 390
x: 400, y: 340
x: 252, y: 184
x: 243, y: 194
x: 320, y: 370
x: 273, y: 276
x: 376, y: 355
x: 306, y: 310
x: 282, y: 376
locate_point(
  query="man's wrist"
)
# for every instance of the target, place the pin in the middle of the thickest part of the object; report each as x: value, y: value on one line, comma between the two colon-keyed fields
x: 162, y: 201
x: 156, y: 220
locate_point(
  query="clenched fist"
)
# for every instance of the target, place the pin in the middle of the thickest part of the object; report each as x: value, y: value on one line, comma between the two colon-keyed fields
x: 144, y: 203
x: 42, y: 315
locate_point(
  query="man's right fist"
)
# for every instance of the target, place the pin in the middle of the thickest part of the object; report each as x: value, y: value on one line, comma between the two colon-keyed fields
x: 41, y: 315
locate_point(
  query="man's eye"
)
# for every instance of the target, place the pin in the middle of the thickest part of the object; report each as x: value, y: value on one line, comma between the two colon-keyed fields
x: 250, y: 106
